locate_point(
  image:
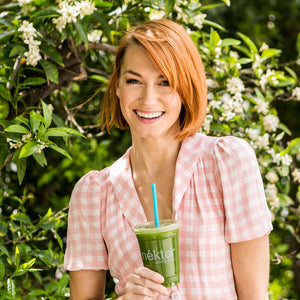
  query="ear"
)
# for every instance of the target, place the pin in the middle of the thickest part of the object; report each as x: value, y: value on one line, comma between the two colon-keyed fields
x: 117, y: 89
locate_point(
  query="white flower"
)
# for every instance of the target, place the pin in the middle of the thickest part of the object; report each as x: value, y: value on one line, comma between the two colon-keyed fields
x: 263, y: 47
x: 275, y: 156
x: 271, y: 195
x: 235, y: 85
x: 156, y: 14
x: 272, y: 177
x: 262, y: 142
x: 33, y: 55
x: 86, y: 8
x: 261, y: 106
x: 29, y: 32
x: 296, y: 175
x: 70, y: 10
x: 28, y: 35
x: 199, y: 19
x: 24, y: 2
x: 94, y: 36
x: 286, y: 159
x: 253, y: 134
x: 296, y: 93
x: 234, y: 54
x: 270, y: 122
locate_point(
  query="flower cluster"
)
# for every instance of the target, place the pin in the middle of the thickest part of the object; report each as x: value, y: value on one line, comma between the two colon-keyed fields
x: 258, y: 141
x: 296, y: 93
x: 29, y: 34
x: 70, y: 11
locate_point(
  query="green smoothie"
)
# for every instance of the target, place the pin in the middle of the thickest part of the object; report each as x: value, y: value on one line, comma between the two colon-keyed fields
x: 160, y: 248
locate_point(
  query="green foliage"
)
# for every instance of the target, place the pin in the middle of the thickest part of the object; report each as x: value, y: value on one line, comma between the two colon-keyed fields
x: 52, y: 81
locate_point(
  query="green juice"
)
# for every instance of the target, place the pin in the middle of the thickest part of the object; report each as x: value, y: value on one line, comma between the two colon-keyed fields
x: 160, y: 248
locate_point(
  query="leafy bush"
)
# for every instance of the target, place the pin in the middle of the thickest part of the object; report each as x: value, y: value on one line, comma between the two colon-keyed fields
x: 56, y: 59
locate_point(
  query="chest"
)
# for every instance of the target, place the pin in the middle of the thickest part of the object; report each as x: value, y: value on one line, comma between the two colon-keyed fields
x: 164, y: 189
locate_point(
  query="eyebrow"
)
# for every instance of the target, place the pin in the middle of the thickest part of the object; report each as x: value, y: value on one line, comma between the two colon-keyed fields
x: 137, y: 74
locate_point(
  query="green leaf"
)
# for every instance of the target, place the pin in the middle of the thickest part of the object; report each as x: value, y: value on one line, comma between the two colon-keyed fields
x: 52, y: 53
x: 4, y: 149
x: 17, y: 50
x: 29, y: 148
x: 105, y: 27
x: 248, y: 42
x: 82, y: 33
x: 291, y: 72
x: 50, y: 70
x: 40, y: 158
x: 214, y: 38
x: 244, y: 60
x: 21, y: 217
x: 3, y: 229
x: 227, y: 2
x: 298, y: 43
x: 34, y: 81
x: 99, y: 78
x: 268, y: 53
x: 16, y: 129
x: 24, y: 267
x: 59, y: 240
x: 3, y: 250
x: 60, y: 150
x: 17, y: 256
x: 292, y: 148
x: 2, y: 270
x: 11, y: 288
x: 230, y: 42
x: 213, y: 24
x: 169, y: 6
x: 223, y: 128
x: 47, y: 114
x: 21, y: 169
x: 63, y: 131
x: 5, y: 93
x: 284, y: 128
x: 5, y: 34
x: 46, y: 13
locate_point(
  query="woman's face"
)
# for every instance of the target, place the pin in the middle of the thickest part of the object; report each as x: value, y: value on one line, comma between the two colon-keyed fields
x: 149, y: 105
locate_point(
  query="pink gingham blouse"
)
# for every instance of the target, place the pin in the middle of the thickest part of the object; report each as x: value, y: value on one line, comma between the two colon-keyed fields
x: 218, y: 195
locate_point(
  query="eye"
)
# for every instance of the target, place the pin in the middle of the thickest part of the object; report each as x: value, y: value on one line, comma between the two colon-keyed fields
x: 165, y: 83
x: 132, y: 81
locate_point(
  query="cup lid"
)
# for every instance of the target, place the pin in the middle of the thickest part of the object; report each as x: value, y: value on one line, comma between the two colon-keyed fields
x: 150, y: 227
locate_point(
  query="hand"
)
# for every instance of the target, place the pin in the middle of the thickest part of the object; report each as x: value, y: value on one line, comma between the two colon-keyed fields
x: 144, y: 284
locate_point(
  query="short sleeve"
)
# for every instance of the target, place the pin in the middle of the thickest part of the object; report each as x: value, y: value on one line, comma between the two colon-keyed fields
x: 246, y: 211
x: 86, y: 248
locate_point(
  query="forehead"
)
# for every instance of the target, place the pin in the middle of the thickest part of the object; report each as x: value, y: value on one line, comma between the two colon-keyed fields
x: 137, y: 58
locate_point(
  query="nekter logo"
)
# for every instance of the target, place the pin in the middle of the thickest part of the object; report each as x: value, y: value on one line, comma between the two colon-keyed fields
x: 158, y: 255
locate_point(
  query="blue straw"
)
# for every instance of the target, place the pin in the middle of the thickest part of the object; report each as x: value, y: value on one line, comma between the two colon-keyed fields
x: 156, y: 220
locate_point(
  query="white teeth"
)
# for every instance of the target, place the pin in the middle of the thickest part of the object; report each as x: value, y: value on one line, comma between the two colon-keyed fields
x: 149, y: 115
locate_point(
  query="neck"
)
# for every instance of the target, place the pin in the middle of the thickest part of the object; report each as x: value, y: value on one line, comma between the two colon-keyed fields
x: 154, y: 156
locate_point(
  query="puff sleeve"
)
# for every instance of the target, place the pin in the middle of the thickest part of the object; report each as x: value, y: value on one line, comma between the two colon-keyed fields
x: 246, y: 212
x: 86, y: 248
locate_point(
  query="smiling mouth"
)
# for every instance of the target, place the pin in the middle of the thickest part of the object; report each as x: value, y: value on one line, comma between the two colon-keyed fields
x: 149, y: 115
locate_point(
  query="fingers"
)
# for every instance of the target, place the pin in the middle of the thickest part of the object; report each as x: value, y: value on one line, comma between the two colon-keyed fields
x: 144, y: 282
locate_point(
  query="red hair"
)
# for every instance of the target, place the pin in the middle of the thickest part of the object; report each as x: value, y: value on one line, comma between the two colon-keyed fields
x: 177, y: 58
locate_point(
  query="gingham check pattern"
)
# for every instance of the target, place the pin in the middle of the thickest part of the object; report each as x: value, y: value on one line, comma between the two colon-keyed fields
x: 218, y: 196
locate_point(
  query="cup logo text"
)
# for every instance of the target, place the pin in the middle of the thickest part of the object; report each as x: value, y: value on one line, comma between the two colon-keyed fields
x: 159, y: 256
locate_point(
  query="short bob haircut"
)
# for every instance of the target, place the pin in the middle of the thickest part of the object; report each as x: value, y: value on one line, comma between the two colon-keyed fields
x: 176, y: 56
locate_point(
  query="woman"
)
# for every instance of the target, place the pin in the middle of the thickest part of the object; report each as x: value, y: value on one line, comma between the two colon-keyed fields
x: 213, y: 185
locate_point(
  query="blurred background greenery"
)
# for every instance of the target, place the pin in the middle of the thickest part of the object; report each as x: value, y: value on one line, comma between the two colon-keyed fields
x: 33, y: 213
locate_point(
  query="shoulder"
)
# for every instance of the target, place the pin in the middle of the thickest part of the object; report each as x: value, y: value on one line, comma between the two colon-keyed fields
x: 210, y: 144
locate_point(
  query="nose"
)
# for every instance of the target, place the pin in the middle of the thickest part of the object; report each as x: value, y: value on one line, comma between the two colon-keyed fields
x: 149, y: 94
